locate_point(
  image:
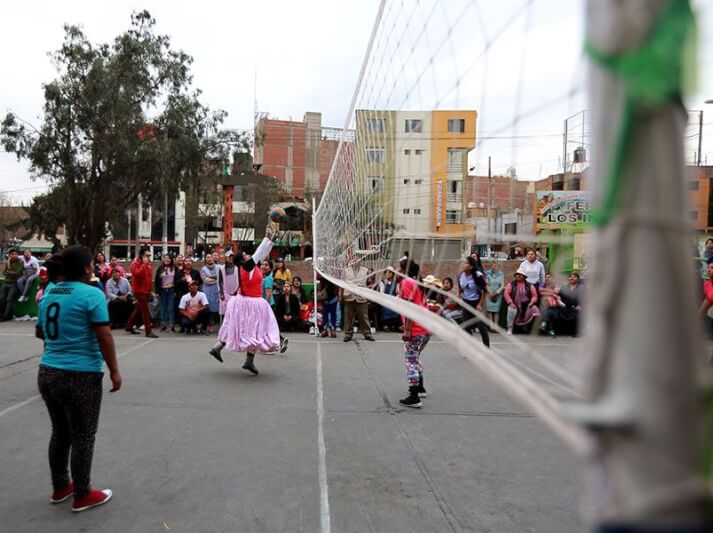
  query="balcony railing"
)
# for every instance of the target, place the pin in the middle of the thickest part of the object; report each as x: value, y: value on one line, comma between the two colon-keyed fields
x: 454, y: 197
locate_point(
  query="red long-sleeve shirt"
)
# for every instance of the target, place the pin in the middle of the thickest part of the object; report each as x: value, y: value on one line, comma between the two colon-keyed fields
x: 141, y: 276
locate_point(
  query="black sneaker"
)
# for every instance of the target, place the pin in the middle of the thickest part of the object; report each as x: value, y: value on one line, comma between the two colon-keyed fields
x: 152, y: 335
x: 215, y: 352
x: 369, y: 337
x: 283, y: 345
x: 133, y: 331
x: 250, y: 366
x: 411, y: 401
x: 347, y: 338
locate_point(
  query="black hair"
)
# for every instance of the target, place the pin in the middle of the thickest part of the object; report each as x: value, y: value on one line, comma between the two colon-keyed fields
x: 143, y: 250
x: 575, y: 273
x: 410, y: 268
x: 295, y: 278
x: 448, y: 279
x: 284, y: 266
x: 247, y: 248
x: 269, y: 263
x: 72, y: 262
x: 479, y: 280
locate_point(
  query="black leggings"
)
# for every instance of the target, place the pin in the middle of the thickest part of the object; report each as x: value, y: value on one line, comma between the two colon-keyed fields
x: 473, y: 323
x: 73, y: 400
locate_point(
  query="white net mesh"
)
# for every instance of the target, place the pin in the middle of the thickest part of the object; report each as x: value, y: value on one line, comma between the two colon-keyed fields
x: 446, y: 87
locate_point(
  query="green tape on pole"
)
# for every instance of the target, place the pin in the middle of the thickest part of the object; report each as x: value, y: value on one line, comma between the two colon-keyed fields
x: 653, y: 75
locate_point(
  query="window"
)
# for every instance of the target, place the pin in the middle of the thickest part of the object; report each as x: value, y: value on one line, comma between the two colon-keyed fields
x: 456, y: 159
x: 414, y: 126
x: 418, y: 181
x: 407, y: 152
x: 375, y: 155
x: 375, y: 125
x: 418, y: 152
x: 456, y: 125
x: 416, y: 211
x: 406, y: 211
x: 375, y: 183
x: 693, y: 185
x: 511, y: 228
x: 452, y: 216
x: 693, y: 215
x: 453, y: 186
x: 407, y: 181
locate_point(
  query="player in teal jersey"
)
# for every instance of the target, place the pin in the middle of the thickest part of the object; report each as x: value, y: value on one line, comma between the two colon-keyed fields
x: 73, y: 321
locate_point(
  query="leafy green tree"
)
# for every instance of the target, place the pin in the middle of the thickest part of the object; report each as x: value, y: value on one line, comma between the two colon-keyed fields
x: 120, y: 120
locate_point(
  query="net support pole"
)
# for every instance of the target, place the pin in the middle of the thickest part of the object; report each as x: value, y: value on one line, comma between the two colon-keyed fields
x: 314, y: 265
x: 643, y: 343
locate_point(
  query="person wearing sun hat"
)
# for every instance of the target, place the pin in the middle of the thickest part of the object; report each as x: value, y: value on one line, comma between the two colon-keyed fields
x: 521, y: 297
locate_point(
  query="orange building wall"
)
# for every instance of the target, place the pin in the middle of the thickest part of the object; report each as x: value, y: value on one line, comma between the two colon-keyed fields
x: 441, y: 141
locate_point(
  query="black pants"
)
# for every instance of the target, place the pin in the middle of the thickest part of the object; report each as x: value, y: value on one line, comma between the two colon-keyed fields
x: 119, y: 311
x: 8, y: 294
x: 73, y: 400
x: 473, y: 323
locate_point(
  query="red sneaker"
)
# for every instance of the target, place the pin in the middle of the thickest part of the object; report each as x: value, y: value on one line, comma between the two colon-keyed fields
x: 95, y: 498
x: 62, y: 495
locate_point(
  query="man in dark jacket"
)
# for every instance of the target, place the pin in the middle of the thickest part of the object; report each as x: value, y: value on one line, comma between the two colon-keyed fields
x: 141, y: 284
x: 9, y: 290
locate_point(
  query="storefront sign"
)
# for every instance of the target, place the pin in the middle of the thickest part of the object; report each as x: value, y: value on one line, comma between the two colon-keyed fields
x: 558, y: 210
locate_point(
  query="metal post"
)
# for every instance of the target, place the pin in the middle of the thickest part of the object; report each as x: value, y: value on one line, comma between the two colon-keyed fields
x: 643, y: 406
x: 700, y: 137
x: 164, y: 237
x: 490, y: 187
x: 314, y: 265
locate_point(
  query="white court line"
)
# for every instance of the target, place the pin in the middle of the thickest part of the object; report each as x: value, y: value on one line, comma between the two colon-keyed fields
x: 323, y: 486
x: 36, y: 396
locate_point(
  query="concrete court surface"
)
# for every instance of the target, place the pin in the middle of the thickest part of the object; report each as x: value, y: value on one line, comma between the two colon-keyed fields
x: 190, y: 445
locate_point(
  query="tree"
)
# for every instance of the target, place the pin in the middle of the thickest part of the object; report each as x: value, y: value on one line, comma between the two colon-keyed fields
x: 120, y: 120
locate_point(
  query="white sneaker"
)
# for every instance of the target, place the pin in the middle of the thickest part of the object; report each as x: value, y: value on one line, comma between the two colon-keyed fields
x: 509, y: 332
x: 22, y: 299
x: 311, y: 330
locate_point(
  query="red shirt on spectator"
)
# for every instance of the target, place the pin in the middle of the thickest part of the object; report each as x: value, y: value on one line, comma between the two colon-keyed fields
x: 708, y: 290
x: 141, y: 276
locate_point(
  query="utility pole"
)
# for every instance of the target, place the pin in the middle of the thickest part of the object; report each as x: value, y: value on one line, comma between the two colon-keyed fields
x: 164, y: 236
x: 700, y: 137
x: 490, y: 198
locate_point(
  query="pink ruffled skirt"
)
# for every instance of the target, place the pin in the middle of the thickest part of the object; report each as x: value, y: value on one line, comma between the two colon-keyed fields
x: 249, y: 325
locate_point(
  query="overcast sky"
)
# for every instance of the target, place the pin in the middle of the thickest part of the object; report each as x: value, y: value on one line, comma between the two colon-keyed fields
x: 307, y: 56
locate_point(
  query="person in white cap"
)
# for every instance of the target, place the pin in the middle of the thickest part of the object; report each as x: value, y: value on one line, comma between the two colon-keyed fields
x: 521, y: 297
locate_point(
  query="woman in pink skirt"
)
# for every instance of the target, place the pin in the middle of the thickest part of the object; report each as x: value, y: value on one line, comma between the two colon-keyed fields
x: 249, y: 324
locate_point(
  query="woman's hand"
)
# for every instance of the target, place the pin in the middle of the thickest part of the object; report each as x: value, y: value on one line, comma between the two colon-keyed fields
x: 116, y: 380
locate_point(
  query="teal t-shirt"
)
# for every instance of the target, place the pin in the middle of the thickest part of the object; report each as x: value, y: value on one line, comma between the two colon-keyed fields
x: 68, y: 312
x: 268, y: 283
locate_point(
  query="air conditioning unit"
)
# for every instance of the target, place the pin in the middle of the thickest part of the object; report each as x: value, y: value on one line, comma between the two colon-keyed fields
x: 481, y: 205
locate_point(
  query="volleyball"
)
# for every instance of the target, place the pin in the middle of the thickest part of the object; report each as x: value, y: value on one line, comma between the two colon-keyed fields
x: 277, y: 214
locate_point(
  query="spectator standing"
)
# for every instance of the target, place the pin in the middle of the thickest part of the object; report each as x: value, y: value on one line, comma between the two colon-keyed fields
x: 114, y: 264
x: 228, y: 282
x: 390, y: 320
x: 9, y: 290
x: 496, y: 289
x: 102, y: 269
x: 141, y: 283
x: 329, y: 296
x: 267, y: 282
x: 164, y: 286
x: 355, y: 306
x: 534, y: 270
x: 209, y: 274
